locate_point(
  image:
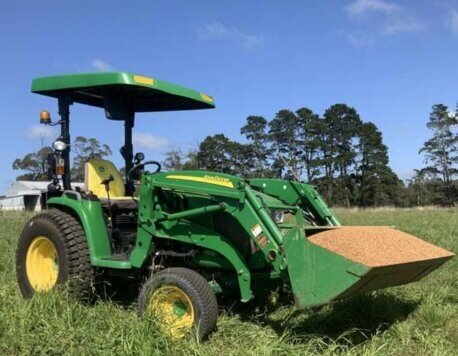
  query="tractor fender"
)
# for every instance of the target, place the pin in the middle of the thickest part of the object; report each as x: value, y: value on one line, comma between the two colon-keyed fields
x: 89, y: 214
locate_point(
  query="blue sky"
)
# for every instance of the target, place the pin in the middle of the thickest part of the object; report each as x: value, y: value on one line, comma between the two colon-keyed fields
x: 391, y: 60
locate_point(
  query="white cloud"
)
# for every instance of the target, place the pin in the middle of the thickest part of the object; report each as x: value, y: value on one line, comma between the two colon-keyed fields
x: 101, y: 66
x: 360, y: 7
x: 217, y: 31
x: 401, y: 24
x: 453, y: 21
x: 149, y: 141
x: 359, y: 40
x: 393, y: 19
x: 40, y: 131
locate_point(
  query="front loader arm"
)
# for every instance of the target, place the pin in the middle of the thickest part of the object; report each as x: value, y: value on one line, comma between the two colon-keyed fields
x: 297, y: 193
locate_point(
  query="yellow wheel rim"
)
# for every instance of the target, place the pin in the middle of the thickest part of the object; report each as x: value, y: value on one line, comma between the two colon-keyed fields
x: 173, y: 309
x: 42, y: 264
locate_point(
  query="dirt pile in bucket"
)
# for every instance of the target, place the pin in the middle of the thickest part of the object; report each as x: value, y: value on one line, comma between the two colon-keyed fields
x: 377, y: 245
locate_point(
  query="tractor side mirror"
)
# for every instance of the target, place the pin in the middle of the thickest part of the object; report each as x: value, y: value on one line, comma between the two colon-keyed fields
x: 139, y: 156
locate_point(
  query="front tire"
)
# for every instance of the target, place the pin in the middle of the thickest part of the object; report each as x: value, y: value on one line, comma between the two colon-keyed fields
x: 52, y: 250
x: 182, y: 302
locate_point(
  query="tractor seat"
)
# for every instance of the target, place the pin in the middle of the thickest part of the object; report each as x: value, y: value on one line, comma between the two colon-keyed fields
x: 95, y: 171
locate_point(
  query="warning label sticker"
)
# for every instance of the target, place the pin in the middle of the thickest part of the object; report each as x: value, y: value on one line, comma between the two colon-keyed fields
x: 256, y: 230
x: 262, y: 241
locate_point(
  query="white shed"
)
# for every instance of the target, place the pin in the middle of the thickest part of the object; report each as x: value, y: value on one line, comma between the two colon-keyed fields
x: 27, y: 195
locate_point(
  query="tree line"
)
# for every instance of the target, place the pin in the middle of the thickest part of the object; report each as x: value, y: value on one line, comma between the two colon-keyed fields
x: 338, y: 152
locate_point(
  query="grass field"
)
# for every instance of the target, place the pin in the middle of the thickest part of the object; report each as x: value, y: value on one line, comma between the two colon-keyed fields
x: 417, y: 319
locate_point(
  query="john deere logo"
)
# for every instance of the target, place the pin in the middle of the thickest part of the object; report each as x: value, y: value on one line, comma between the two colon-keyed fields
x: 217, y: 179
x: 221, y: 181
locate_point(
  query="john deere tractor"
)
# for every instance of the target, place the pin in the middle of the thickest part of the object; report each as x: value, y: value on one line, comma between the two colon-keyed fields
x: 190, y: 236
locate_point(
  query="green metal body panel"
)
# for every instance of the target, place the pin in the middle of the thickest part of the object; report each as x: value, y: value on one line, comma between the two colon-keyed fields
x: 89, y: 213
x: 145, y: 93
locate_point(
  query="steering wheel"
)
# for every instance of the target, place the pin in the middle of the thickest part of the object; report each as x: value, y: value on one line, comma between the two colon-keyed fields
x: 140, y: 166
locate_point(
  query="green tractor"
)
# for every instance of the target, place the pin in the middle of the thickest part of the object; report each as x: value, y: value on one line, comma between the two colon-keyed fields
x: 191, y: 236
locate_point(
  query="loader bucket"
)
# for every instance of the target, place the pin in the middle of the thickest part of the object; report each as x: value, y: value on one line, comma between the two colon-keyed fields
x: 339, y: 262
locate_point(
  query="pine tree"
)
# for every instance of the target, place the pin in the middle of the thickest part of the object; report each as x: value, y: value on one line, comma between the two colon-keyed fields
x: 373, y: 158
x: 441, y: 150
x: 283, y: 137
x: 255, y: 133
x: 310, y: 126
x: 213, y: 154
x: 219, y: 154
x: 242, y: 159
x: 343, y: 124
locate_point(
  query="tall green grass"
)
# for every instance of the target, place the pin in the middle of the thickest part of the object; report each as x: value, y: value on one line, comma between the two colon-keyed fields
x: 416, y: 319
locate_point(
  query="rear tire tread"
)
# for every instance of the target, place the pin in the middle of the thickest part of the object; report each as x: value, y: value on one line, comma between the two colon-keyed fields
x: 81, y: 275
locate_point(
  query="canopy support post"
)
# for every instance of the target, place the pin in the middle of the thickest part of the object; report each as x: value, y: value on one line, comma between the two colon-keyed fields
x: 127, y: 152
x: 64, y: 113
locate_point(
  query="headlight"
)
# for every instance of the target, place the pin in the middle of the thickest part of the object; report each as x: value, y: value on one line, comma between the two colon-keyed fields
x: 59, y: 145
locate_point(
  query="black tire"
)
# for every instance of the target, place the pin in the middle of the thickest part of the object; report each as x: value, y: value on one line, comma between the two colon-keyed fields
x: 195, y: 287
x: 69, y: 240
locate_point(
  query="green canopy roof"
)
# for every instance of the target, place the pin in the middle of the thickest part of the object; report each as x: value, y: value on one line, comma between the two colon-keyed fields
x: 141, y: 93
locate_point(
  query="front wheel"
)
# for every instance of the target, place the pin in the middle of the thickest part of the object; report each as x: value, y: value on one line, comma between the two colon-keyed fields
x: 52, y: 250
x: 181, y: 301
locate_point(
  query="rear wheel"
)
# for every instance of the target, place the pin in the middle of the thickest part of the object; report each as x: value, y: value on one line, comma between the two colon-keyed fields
x: 52, y: 250
x: 182, y: 302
